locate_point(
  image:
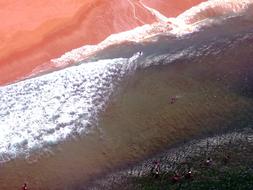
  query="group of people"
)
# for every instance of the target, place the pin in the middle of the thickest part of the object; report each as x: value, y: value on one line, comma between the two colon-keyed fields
x: 188, y: 174
x: 156, y: 170
x: 177, y: 177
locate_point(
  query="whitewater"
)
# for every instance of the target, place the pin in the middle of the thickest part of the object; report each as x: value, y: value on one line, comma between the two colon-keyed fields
x: 44, y: 110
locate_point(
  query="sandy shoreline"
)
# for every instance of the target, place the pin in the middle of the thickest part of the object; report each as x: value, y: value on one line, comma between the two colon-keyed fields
x: 140, y: 120
x: 212, y: 94
x: 31, y: 37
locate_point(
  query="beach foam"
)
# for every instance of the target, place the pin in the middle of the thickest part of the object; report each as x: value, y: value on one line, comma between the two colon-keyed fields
x: 192, y: 20
x: 49, y: 108
x: 30, y: 38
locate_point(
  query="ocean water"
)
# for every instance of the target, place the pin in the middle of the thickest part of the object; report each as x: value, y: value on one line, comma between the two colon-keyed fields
x: 112, y: 106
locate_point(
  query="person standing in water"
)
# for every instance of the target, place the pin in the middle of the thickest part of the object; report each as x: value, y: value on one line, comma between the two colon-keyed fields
x: 25, y: 187
x: 173, y: 99
x: 155, y: 171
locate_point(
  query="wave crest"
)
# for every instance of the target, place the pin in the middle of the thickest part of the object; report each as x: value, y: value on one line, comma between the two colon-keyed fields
x: 213, y: 9
x: 189, y: 21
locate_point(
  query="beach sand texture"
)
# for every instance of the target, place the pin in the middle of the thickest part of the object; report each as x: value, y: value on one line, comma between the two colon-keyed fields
x: 33, y: 32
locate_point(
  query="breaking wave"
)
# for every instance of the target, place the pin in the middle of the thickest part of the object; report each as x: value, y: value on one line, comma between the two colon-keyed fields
x: 215, y: 8
x: 47, y: 109
x: 192, y: 20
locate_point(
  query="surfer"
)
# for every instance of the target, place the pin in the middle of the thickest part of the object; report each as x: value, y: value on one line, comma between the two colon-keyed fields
x: 175, y: 178
x: 155, y: 171
x: 25, y: 187
x: 226, y: 159
x: 188, y: 175
x: 173, y: 99
x: 208, y: 162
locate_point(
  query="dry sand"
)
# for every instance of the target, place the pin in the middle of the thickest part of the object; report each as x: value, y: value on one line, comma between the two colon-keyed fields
x: 32, y: 32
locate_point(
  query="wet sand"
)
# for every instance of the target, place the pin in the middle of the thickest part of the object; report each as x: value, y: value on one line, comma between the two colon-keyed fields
x: 213, y: 95
x: 34, y: 32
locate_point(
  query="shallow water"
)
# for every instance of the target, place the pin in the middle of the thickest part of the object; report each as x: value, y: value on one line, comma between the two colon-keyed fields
x: 213, y: 90
x: 93, y: 118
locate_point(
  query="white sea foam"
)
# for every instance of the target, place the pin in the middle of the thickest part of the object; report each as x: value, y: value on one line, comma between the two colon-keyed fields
x: 49, y: 108
x: 190, y: 21
x: 214, y: 8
